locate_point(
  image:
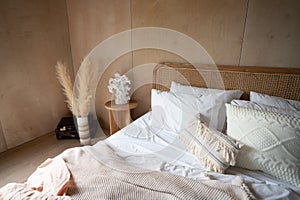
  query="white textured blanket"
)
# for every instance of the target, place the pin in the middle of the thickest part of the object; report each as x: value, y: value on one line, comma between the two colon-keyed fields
x: 97, y: 173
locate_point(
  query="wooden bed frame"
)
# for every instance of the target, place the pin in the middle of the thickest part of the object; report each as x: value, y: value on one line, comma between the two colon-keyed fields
x: 282, y: 82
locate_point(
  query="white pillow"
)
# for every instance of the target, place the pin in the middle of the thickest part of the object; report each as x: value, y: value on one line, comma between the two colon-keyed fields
x: 271, y: 141
x: 223, y: 96
x: 186, y: 89
x: 260, y: 106
x: 173, y: 111
x: 275, y: 101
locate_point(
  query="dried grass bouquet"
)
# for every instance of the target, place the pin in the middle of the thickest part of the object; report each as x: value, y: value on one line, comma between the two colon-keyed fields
x: 78, y: 96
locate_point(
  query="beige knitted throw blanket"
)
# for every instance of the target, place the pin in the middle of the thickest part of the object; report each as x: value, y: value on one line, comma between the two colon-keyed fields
x: 98, y: 173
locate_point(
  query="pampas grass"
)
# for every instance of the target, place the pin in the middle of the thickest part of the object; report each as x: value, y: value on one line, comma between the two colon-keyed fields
x: 78, y: 96
x: 64, y: 79
x: 84, y: 86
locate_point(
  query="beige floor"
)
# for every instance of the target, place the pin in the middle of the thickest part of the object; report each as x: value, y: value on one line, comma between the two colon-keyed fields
x: 18, y: 163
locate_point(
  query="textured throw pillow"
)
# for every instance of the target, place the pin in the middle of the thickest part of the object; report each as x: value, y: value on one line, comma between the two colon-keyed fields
x: 212, y: 148
x: 260, y: 106
x: 271, y: 141
x: 278, y: 102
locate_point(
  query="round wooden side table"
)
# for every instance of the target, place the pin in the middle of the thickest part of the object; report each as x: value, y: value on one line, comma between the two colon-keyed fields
x: 119, y: 115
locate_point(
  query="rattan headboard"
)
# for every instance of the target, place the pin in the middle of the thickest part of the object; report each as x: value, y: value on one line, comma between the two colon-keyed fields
x: 282, y: 82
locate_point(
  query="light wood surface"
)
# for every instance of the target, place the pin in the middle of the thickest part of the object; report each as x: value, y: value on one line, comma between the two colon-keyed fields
x: 272, y: 34
x: 119, y: 115
x: 217, y: 25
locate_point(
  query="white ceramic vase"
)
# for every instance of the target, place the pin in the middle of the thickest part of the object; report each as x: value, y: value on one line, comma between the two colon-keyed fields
x: 83, y: 130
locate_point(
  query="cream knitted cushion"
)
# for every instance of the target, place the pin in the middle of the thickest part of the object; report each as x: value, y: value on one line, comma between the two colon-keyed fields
x: 271, y: 141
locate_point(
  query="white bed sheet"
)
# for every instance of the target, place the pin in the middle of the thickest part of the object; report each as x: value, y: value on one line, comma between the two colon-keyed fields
x: 144, y: 145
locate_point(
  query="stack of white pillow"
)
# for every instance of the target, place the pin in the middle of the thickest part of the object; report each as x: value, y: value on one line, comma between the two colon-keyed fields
x: 174, y: 109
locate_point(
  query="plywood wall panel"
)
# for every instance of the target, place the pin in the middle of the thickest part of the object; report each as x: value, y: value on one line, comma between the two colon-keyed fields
x: 93, y: 21
x: 216, y: 25
x: 33, y: 36
x: 272, y: 34
x: 90, y: 23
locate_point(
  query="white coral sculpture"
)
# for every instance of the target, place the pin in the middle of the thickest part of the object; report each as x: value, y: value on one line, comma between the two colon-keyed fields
x: 119, y: 87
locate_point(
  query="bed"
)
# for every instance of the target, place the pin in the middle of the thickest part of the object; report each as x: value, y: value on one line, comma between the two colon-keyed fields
x: 152, y: 160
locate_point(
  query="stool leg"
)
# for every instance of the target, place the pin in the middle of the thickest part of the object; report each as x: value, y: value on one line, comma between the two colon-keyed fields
x: 112, y: 123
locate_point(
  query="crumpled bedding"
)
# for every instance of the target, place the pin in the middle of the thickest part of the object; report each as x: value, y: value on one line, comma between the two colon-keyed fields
x: 98, y: 173
x: 142, y: 145
x: 50, y: 181
x: 84, y: 173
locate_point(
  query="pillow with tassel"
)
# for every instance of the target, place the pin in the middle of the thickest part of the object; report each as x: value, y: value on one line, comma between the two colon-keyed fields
x: 213, y: 149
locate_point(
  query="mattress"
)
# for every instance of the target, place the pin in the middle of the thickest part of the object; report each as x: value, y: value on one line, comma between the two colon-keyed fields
x: 144, y: 145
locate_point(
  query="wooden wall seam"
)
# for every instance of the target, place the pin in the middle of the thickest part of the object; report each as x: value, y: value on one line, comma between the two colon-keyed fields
x: 244, y: 31
x: 132, y: 77
x: 73, y: 75
x: 3, y: 146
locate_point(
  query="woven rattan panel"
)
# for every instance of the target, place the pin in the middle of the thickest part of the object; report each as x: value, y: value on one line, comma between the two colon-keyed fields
x: 283, y: 84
